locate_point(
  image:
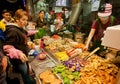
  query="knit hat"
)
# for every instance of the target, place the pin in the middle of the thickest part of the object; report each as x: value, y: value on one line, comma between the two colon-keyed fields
x: 105, y: 10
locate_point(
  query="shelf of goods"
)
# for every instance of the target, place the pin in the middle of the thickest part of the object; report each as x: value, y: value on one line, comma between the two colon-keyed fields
x: 67, y: 68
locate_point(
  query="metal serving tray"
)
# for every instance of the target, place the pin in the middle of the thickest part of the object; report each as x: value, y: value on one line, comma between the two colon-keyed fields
x: 40, y: 81
x: 52, y: 57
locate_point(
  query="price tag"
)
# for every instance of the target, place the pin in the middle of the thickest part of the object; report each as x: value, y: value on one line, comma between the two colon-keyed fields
x: 95, y: 5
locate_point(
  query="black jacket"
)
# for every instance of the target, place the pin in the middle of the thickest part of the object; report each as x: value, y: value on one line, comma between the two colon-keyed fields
x: 41, y: 23
x: 17, y: 37
x: 1, y: 49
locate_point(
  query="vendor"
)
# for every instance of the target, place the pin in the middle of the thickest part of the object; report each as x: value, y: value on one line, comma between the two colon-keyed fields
x: 103, y: 21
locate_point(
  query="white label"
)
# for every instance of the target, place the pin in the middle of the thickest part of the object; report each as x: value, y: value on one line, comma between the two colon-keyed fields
x: 95, y: 5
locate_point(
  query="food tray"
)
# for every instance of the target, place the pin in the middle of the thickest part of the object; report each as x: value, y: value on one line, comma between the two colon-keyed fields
x: 52, y: 57
x: 55, y: 75
x: 40, y: 65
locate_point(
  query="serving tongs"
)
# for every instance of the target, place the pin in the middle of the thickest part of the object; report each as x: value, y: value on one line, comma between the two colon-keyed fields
x: 86, y: 57
x: 90, y: 54
x: 83, y: 60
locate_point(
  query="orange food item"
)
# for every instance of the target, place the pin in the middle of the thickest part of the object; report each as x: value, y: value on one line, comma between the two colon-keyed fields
x: 56, y: 36
x: 49, y: 78
x: 43, y: 82
x: 56, y: 81
x: 80, y: 45
x: 45, y: 73
x: 70, y: 50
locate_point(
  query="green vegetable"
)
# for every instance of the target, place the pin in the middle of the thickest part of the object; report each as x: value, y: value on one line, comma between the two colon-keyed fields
x: 59, y: 68
x: 41, y: 32
x: 75, y: 73
x: 66, y: 80
x: 63, y: 74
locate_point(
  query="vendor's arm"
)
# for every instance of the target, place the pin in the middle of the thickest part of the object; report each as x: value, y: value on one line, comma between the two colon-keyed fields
x: 91, y: 34
x: 89, y: 38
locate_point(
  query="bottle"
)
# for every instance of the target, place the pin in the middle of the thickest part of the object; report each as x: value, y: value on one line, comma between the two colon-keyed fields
x: 41, y: 44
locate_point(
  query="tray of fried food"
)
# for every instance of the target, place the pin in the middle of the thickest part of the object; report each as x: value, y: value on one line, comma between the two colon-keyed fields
x: 98, y: 71
x: 48, y: 77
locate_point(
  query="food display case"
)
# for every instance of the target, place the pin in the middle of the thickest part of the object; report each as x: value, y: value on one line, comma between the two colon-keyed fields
x: 80, y: 67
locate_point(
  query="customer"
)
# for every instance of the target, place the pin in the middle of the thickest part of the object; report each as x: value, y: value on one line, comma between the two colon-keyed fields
x: 16, y: 44
x: 3, y: 65
x: 3, y: 58
x: 66, y: 14
x: 99, y: 26
x: 52, y: 16
x: 41, y: 22
x: 58, y: 21
x: 7, y: 17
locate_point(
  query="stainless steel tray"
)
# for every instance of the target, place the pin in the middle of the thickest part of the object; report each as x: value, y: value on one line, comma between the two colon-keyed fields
x: 41, y: 65
x: 40, y: 81
x: 52, y: 57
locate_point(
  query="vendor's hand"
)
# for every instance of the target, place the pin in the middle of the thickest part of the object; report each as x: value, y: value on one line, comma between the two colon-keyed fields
x: 85, y: 48
x: 23, y: 57
x: 4, y: 63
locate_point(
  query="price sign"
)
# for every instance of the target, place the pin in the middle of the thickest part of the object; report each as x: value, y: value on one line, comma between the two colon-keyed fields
x: 95, y: 5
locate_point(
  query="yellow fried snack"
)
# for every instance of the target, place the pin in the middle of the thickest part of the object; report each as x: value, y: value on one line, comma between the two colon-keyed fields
x: 56, y: 81
x: 49, y: 78
x: 43, y: 74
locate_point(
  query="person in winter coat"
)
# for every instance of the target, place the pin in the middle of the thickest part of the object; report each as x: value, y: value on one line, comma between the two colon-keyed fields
x: 7, y: 17
x: 3, y: 65
x: 15, y: 45
x: 3, y: 58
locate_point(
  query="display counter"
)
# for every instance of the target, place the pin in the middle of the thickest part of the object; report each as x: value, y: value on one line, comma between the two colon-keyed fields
x: 96, y: 69
x: 41, y: 65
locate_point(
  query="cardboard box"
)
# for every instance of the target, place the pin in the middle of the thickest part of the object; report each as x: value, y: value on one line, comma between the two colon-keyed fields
x: 112, y: 37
